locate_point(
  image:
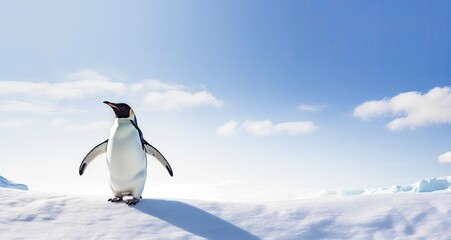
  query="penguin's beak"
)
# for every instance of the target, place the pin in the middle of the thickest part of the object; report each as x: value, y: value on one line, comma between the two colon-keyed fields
x: 111, y: 104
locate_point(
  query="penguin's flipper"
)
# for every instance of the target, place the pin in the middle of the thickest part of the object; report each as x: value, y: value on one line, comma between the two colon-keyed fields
x: 96, y: 151
x: 154, y: 152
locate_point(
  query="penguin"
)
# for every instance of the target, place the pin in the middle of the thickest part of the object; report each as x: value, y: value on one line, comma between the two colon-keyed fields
x: 126, y: 151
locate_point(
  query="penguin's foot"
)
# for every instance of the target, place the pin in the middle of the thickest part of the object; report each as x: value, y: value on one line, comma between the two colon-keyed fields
x: 115, y: 199
x: 132, y: 201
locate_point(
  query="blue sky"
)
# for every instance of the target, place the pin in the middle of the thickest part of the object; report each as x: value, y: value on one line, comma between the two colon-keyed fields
x: 305, y: 93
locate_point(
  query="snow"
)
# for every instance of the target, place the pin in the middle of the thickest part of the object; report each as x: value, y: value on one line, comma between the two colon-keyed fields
x: 415, y: 213
x: 426, y: 185
x: 5, y: 183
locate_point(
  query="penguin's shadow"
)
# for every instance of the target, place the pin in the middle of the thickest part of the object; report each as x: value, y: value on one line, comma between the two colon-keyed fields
x: 192, y: 219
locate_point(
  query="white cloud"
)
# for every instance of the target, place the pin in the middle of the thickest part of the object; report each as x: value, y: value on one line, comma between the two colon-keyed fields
x: 17, y: 123
x: 171, y: 96
x: 69, y: 125
x: 410, y: 109
x: 46, y: 97
x: 81, y: 84
x: 154, y: 85
x: 296, y: 128
x: 444, y: 158
x: 57, y: 122
x: 310, y: 108
x: 266, y: 128
x: 90, y: 126
x: 60, y: 122
x: 21, y: 106
x: 177, y: 99
x: 259, y: 128
x: 372, y: 109
x: 228, y: 129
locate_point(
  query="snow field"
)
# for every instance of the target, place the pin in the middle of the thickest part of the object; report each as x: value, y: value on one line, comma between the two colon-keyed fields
x: 27, y: 214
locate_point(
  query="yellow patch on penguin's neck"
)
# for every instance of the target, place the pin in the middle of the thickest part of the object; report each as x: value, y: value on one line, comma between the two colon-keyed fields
x: 131, y: 114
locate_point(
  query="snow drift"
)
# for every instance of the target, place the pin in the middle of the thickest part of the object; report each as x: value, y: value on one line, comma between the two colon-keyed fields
x: 26, y: 214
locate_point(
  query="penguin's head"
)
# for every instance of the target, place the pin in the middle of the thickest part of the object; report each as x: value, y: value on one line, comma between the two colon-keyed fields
x: 122, y: 110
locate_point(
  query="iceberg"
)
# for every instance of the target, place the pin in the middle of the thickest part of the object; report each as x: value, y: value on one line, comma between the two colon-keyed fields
x: 5, y: 183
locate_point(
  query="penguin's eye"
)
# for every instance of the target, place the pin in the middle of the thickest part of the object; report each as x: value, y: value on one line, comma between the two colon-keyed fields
x: 122, y: 108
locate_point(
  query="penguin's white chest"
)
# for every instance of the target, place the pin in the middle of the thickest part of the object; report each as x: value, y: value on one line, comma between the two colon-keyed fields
x: 126, y: 159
